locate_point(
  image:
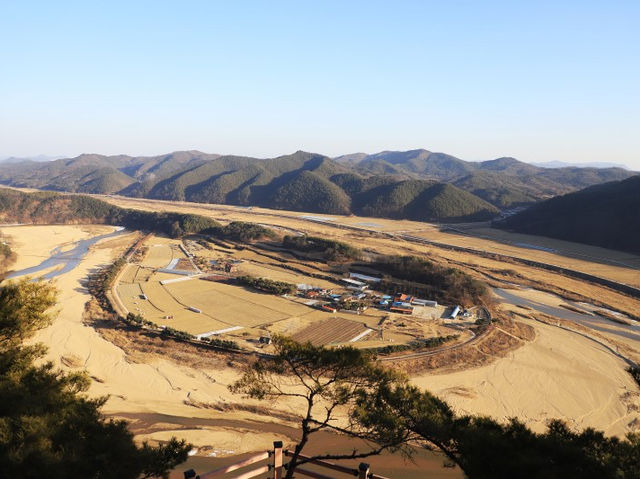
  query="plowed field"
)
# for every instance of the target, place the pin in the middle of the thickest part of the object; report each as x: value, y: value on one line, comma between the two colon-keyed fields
x: 330, y: 331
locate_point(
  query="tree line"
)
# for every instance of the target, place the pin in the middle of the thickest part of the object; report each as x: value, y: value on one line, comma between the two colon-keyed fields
x: 49, y: 208
x: 241, y: 231
x: 267, y: 285
x: 443, y: 284
x: 331, y: 250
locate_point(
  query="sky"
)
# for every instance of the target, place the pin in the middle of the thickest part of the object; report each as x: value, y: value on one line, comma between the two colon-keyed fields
x: 539, y: 81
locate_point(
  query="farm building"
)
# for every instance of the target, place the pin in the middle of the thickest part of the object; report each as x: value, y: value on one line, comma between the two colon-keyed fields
x: 454, y: 313
x: 425, y: 302
x: 401, y: 309
x: 310, y: 287
x: 401, y: 304
x: 364, y: 277
x: 403, y: 298
x: 354, y: 285
x: 357, y: 288
x: 177, y: 271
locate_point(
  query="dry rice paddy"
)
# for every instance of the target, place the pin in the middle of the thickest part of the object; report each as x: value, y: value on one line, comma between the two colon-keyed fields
x: 234, y: 305
x: 331, y: 331
x: 221, y: 306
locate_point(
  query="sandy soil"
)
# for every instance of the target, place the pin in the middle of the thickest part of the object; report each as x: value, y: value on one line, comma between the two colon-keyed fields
x: 34, y: 243
x: 558, y: 375
x: 159, y: 387
x: 616, y: 265
x: 606, y: 263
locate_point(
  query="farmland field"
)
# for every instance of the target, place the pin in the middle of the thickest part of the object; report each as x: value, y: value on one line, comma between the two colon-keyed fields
x: 234, y: 305
x: 221, y: 305
x: 129, y: 273
x: 161, y: 308
x: 273, y: 272
x: 161, y: 254
x: 330, y: 331
x: 555, y: 359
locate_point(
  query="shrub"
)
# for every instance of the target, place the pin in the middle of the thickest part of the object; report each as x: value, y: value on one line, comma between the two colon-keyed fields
x: 221, y: 343
x: 416, y: 344
x: 448, y: 285
x: 268, y: 285
x: 331, y: 250
x: 242, y: 231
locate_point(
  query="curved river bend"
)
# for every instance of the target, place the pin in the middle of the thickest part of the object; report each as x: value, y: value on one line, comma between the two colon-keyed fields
x: 68, y: 259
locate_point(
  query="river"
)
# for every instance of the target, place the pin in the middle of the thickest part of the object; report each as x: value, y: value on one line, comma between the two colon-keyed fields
x: 588, y: 318
x: 69, y: 259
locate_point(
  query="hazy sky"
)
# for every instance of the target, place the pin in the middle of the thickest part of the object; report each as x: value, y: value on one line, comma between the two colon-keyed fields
x: 537, y: 80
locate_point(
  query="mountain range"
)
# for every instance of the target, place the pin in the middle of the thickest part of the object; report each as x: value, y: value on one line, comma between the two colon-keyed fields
x: 38, y: 158
x: 415, y: 184
x: 592, y: 164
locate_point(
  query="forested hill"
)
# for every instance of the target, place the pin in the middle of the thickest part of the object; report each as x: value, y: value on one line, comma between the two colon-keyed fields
x: 605, y: 215
x: 416, y: 184
x: 55, y: 208
x: 503, y: 182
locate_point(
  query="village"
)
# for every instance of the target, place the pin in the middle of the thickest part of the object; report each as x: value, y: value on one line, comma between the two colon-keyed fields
x: 244, y: 294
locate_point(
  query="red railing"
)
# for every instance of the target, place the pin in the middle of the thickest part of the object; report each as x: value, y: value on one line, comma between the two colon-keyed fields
x: 278, y: 467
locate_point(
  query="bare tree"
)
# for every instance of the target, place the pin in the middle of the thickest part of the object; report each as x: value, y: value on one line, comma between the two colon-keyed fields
x: 327, y: 383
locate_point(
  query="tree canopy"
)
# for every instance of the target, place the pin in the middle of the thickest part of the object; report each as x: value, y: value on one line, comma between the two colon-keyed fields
x: 487, y: 449
x: 48, y: 426
x: 325, y: 382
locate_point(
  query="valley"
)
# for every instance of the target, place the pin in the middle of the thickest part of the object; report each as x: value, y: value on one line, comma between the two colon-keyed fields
x: 384, y: 240
x: 541, y: 360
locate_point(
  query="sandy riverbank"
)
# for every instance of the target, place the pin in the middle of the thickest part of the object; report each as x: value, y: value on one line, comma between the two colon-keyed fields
x: 33, y: 244
x: 157, y: 386
x: 558, y: 375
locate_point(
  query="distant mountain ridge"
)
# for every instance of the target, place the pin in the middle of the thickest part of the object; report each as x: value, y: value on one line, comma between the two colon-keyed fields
x: 415, y: 184
x: 606, y: 215
x: 38, y: 158
x: 504, y: 182
x: 593, y: 164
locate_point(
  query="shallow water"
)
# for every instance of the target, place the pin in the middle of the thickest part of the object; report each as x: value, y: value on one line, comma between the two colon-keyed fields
x: 598, y: 323
x: 68, y: 259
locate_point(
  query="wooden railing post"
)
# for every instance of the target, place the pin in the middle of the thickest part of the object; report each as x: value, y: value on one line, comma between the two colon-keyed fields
x: 363, y: 470
x: 277, y: 460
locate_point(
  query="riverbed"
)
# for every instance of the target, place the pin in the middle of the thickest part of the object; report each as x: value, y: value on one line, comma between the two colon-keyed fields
x: 581, y: 313
x: 64, y: 258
